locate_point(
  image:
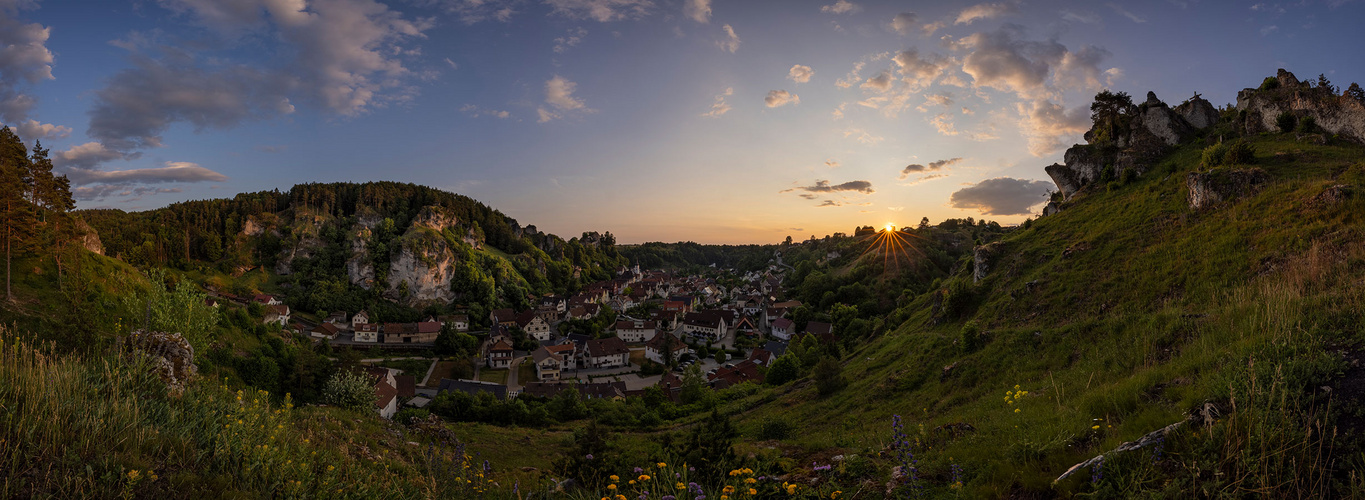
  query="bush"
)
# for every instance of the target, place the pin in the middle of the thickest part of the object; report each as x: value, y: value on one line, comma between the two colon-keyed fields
x: 970, y: 339
x: 959, y: 298
x: 1308, y: 125
x: 350, y: 390
x: 1129, y: 176
x: 774, y: 428
x: 1270, y: 83
x: 1286, y: 121
x: 1239, y: 153
x: 829, y: 376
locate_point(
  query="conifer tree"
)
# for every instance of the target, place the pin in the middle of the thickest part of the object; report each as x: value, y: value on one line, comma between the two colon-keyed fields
x: 16, y: 212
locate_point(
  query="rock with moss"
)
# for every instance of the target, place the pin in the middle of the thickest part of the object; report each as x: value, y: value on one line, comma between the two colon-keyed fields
x: 1331, y: 113
x: 1197, y: 112
x: 1223, y: 184
x: 171, y: 356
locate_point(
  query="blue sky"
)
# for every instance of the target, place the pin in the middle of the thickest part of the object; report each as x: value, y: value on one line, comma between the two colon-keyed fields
x: 719, y: 121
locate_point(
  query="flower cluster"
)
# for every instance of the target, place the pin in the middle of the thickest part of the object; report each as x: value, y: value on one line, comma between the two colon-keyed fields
x: 1012, y: 396
x: 907, y: 470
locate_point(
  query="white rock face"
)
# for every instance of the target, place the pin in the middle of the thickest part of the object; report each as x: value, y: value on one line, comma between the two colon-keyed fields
x: 358, y: 267
x: 426, y: 271
x: 252, y: 228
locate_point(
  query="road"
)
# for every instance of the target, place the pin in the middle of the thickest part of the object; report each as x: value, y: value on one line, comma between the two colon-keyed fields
x: 512, y: 370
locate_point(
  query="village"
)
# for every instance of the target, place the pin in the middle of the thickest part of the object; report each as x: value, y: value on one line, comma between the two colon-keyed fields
x: 730, y: 334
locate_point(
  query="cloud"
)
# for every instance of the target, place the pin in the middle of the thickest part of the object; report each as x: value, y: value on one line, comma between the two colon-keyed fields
x: 895, y: 209
x: 920, y: 72
x: 731, y: 41
x: 697, y: 10
x: 720, y: 107
x: 880, y: 83
x: 85, y: 156
x: 941, y: 99
x: 852, y: 78
x: 823, y: 186
x: 841, y: 7
x: 475, y: 112
x: 862, y: 136
x: 1131, y: 16
x: 778, y: 98
x: 476, y: 11
x: 923, y: 179
x: 915, y: 168
x: 1049, y: 127
x: 33, y: 130
x: 343, y: 55
x: 830, y: 203
x: 930, y: 28
x: 1001, y: 196
x: 800, y: 73
x: 904, y: 23
x: 1003, y: 60
x: 838, y: 113
x: 943, y: 123
x: 102, y: 191
x: 452, y: 63
x: 24, y: 58
x: 808, y: 196
x: 1269, y: 29
x: 173, y: 171
x: 985, y: 11
x: 1080, y: 17
x: 559, y: 94
x: 572, y: 38
x: 601, y: 10
x: 831, y: 163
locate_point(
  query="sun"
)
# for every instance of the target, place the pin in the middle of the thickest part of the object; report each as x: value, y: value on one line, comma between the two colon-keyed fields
x: 889, y: 227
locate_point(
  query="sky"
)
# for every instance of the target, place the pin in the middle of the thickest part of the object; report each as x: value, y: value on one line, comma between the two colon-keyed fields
x: 716, y: 121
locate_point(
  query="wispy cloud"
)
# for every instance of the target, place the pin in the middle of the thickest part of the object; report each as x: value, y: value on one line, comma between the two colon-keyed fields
x: 720, y: 107
x: 779, y: 98
x: 1126, y: 13
x: 731, y: 41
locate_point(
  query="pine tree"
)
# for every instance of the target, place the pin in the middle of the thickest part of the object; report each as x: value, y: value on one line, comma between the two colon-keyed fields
x: 16, y: 212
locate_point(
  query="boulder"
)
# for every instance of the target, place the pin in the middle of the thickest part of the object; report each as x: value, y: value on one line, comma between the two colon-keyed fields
x: 983, y: 258
x: 1217, y: 186
x: 1157, y: 119
x: 1084, y: 166
x: 171, y: 355
x: 1051, y: 208
x: 89, y: 237
x: 1197, y: 112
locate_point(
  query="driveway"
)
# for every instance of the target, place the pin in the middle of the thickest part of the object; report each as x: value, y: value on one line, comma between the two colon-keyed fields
x: 512, y: 383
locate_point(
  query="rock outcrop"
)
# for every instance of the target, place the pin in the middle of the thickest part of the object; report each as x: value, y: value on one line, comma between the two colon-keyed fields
x: 1333, y: 113
x: 171, y: 355
x: 420, y: 271
x: 89, y: 238
x: 1198, y: 112
x: 983, y: 258
x: 1217, y: 186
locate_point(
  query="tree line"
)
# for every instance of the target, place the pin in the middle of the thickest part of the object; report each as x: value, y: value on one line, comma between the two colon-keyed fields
x: 35, y: 206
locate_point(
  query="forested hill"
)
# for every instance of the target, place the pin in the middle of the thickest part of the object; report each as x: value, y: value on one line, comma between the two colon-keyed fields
x: 350, y: 245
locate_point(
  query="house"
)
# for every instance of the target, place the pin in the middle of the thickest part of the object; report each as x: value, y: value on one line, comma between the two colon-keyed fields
x: 278, y: 313
x: 654, y: 350
x: 636, y: 330
x: 746, y: 326
x: 728, y: 375
x: 367, y: 332
x: 821, y: 330
x: 385, y: 390
x: 610, y: 352
x: 548, y: 364
x: 704, y: 325
x: 533, y: 325
x: 567, y: 352
x: 499, y: 354
x: 504, y: 317
x: 762, y: 357
x: 211, y: 302
x: 776, y: 348
x: 555, y: 302
x: 407, y: 385
x: 549, y: 314
x: 459, y: 321
x: 360, y: 318
x: 427, y: 331
x: 268, y: 300
x: 473, y: 387
x: 782, y: 329
x: 325, y: 331
x: 338, y: 319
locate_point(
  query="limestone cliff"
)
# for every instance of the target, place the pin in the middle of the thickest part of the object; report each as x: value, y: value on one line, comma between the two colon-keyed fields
x: 88, y: 237
x: 420, y: 269
x: 1333, y: 113
x: 304, y: 239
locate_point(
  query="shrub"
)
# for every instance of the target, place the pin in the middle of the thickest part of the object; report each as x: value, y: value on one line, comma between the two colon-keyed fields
x: 959, y: 298
x: 350, y: 390
x: 971, y: 337
x: 1129, y: 175
x: 1308, y: 125
x: 1239, y: 153
x: 774, y: 428
x: 1286, y: 121
x: 1270, y: 83
x: 829, y: 376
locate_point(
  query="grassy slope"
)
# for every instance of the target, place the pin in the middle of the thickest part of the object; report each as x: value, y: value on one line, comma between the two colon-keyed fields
x: 1153, y: 312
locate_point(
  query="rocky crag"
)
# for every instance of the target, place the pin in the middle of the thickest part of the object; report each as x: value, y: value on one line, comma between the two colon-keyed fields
x: 1259, y: 109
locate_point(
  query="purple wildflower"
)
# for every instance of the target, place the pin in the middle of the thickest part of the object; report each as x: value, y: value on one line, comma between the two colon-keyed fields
x: 589, y: 457
x: 1097, y: 472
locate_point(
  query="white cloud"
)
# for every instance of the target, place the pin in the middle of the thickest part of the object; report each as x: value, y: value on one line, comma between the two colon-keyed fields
x: 933, y: 166
x: 930, y: 28
x: 1050, y: 127
x: 920, y: 72
x: 601, y: 10
x: 173, y: 171
x: 1269, y: 29
x: 730, y: 42
x: 559, y: 95
x: 862, y: 136
x: 1128, y: 14
x: 451, y: 64
x: 1002, y: 60
x: 1001, y: 196
x: 838, y: 113
x: 778, y: 98
x: 24, y: 57
x: 698, y: 10
x: 832, y: 163
x: 720, y: 107
x: 1085, y: 17
x: 852, y: 78
x: 943, y: 123
x: 904, y: 23
x: 841, y: 7
x: 985, y: 11
x: 800, y: 73
x: 85, y: 156
x: 475, y: 112
x: 475, y: 11
x: 880, y: 83
x: 34, y: 130
x: 570, y: 39
x: 940, y: 99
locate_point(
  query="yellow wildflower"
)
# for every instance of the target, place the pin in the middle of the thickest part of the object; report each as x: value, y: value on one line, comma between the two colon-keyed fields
x: 614, y: 478
x: 662, y: 465
x: 1095, y: 428
x: 834, y: 495
x: 750, y: 480
x: 791, y: 489
x: 1016, y: 410
x: 680, y: 486
x: 753, y: 491
x: 644, y: 477
x: 728, y: 490
x: 611, y: 486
